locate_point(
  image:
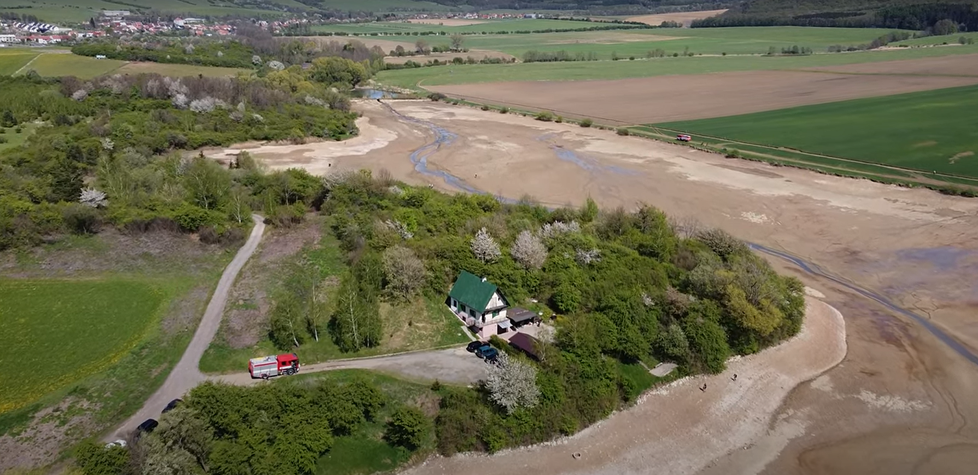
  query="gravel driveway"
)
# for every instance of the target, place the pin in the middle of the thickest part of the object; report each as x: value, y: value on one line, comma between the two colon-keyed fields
x: 453, y: 365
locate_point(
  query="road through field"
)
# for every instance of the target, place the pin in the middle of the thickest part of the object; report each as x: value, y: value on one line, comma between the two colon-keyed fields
x: 185, y: 375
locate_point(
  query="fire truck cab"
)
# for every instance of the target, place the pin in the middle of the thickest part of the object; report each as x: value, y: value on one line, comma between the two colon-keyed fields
x: 268, y: 366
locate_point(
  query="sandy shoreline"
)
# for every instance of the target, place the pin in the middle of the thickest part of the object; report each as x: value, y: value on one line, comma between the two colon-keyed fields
x: 679, y: 429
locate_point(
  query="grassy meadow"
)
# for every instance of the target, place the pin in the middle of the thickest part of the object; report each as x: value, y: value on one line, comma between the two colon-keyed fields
x: 710, y: 41
x: 405, y: 27
x: 12, y: 59
x: 12, y: 138
x: 592, y: 70
x: 81, y: 10
x: 933, y: 130
x: 67, y: 64
x: 66, y: 330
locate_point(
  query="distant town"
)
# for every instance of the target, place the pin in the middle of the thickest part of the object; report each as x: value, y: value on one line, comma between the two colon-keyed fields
x: 125, y: 22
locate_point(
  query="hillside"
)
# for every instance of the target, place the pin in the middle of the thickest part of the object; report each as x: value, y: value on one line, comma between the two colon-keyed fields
x: 906, y: 14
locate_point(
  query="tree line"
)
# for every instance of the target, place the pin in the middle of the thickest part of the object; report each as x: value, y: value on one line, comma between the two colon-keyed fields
x: 919, y: 17
x: 109, y: 151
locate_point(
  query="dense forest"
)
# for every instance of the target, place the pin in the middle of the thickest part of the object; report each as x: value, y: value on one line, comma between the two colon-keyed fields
x: 630, y: 289
x: 112, y: 150
x: 903, y: 14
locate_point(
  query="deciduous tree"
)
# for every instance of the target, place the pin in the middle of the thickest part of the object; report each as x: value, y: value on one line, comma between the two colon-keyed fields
x: 484, y: 246
x: 408, y: 427
x: 529, y: 251
x: 512, y: 383
x: 404, y: 271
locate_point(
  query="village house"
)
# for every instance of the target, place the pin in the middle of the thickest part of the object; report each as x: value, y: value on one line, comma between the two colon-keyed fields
x: 479, y: 304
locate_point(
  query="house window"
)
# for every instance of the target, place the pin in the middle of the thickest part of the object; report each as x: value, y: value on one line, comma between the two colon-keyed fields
x: 495, y: 313
x: 454, y: 304
x: 472, y: 313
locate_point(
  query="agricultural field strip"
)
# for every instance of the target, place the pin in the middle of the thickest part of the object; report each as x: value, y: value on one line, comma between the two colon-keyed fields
x: 677, y: 98
x: 600, y: 70
x: 939, y: 142
x: 790, y: 155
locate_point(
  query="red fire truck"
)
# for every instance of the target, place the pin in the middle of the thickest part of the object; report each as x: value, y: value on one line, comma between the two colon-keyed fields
x: 268, y: 366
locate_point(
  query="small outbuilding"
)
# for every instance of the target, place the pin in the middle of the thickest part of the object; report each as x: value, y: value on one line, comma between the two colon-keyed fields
x: 525, y: 343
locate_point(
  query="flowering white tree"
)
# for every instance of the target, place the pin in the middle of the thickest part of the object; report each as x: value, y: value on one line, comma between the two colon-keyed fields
x: 79, y: 95
x: 276, y: 65
x: 399, y: 227
x: 512, y: 383
x: 556, y: 228
x: 484, y: 246
x: 588, y: 256
x: 92, y: 197
x: 529, y: 251
x: 180, y: 101
x: 256, y: 60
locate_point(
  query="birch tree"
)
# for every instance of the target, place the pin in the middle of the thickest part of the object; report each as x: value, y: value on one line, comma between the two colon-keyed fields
x: 529, y: 251
x: 206, y: 182
x: 238, y: 204
x: 286, y: 323
x: 512, y: 383
x: 484, y: 246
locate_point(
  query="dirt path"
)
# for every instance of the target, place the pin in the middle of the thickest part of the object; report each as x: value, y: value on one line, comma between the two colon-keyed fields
x: 186, y: 375
x: 453, y: 365
x: 728, y: 415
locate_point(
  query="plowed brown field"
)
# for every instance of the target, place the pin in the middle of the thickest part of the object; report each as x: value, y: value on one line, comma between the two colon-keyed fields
x: 681, y: 17
x: 671, y: 98
x: 963, y: 65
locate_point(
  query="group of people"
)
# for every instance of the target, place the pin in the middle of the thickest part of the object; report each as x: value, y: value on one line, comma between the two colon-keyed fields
x: 703, y: 387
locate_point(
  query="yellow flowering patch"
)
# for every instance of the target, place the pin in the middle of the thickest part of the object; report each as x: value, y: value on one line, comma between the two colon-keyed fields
x: 54, y: 333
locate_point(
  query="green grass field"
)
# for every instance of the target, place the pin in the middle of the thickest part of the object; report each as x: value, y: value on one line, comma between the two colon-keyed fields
x: 178, y: 70
x: 12, y: 59
x: 67, y: 64
x: 404, y: 27
x: 13, y: 139
x: 567, y: 71
x: 56, y: 332
x: 711, y: 41
x: 928, y: 131
x: 937, y: 40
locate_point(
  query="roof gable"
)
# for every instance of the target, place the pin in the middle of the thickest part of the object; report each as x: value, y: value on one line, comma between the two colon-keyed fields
x: 472, y: 291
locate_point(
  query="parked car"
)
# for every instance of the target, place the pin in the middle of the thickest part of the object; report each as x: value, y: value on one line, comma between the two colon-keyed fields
x: 492, y: 358
x: 487, y: 352
x: 147, y: 426
x: 172, y: 405
x: 475, y: 345
x: 116, y: 443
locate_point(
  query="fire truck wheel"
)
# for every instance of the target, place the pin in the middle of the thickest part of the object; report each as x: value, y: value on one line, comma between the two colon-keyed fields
x: 264, y: 376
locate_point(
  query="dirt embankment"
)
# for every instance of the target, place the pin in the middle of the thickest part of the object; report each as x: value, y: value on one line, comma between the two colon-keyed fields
x: 680, y: 429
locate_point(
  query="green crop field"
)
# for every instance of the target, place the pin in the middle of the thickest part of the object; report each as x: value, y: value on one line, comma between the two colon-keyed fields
x: 66, y: 64
x: 12, y: 59
x: 404, y: 27
x: 928, y: 131
x: 61, y: 331
x: 566, y: 71
x: 752, y: 40
x: 938, y: 40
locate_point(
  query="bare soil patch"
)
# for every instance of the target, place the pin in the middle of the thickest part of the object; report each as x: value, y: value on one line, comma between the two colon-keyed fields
x: 50, y: 431
x: 962, y: 65
x: 682, y: 17
x: 446, y: 21
x: 246, y: 315
x: 477, y: 54
x: 670, y: 98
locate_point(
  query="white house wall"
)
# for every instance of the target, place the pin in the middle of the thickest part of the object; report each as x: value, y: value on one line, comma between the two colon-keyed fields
x: 495, y: 301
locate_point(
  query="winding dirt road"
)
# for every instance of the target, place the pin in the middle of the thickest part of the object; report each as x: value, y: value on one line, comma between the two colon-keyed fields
x: 186, y: 374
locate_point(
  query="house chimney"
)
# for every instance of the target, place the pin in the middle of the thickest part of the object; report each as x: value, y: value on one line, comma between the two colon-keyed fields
x: 483, y: 279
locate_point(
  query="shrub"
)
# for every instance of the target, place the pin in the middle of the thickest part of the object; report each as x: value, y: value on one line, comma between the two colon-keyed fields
x: 18, y: 130
x: 436, y: 96
x: 559, y: 119
x: 504, y: 110
x: 484, y: 107
x: 3, y: 139
x: 631, y: 58
x: 622, y: 131
x: 408, y: 427
x: 587, y: 123
x: 545, y: 116
x: 82, y: 219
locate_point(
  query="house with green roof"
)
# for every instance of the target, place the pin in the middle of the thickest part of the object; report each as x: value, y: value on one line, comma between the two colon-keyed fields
x: 479, y: 304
